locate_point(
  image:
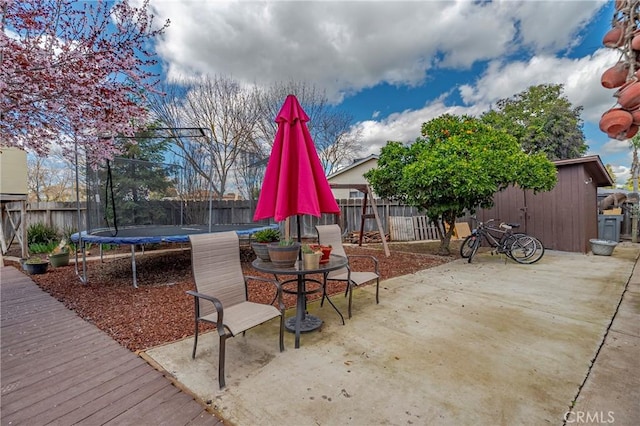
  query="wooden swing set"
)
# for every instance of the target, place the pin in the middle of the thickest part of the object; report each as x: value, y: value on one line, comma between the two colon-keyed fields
x: 371, y: 214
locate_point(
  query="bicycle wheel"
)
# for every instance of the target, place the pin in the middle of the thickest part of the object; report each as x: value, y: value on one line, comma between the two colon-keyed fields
x: 475, y: 244
x: 508, y: 243
x: 527, y: 250
x: 538, y: 253
x: 467, y: 246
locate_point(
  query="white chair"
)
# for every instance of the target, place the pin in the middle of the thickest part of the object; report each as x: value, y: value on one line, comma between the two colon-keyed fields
x: 331, y: 235
x: 221, y: 295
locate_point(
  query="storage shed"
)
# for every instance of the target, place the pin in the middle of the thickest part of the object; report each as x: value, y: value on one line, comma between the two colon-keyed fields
x: 566, y: 217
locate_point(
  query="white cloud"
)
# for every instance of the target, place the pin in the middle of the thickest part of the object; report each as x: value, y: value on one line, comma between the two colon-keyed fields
x: 580, y: 77
x: 549, y: 26
x: 622, y: 173
x: 405, y: 126
x: 614, y: 146
x: 343, y: 47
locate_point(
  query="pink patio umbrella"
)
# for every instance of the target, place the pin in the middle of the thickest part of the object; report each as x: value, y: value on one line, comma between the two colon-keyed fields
x: 294, y: 182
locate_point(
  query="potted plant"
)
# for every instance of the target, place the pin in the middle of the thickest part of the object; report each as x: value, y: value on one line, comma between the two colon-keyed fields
x: 311, y: 255
x: 38, y: 263
x: 262, y: 238
x: 326, y: 251
x: 60, y: 255
x: 284, y: 253
x: 35, y: 265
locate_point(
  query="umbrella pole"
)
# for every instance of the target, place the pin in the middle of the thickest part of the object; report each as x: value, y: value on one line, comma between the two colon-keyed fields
x: 301, y: 308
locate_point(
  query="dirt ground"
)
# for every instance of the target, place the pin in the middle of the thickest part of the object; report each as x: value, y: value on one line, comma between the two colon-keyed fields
x: 160, y: 311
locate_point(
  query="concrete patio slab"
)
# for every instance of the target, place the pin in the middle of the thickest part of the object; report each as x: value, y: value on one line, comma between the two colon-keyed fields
x: 491, y: 342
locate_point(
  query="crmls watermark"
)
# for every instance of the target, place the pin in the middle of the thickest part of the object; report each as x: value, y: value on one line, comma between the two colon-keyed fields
x: 592, y: 417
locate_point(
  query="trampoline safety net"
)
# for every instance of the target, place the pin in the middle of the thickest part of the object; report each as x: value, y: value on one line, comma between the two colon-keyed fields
x: 128, y: 192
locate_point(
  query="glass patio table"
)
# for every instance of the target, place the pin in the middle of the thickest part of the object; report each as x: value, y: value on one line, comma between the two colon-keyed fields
x: 303, y: 322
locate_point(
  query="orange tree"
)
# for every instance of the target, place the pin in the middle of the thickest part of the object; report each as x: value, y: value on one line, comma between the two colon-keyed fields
x: 458, y: 164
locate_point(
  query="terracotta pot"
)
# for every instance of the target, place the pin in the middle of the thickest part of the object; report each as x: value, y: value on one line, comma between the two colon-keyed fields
x: 615, y: 121
x: 623, y: 136
x: 633, y: 129
x: 635, y: 114
x: 615, y: 76
x: 629, y: 95
x: 614, y: 38
x: 635, y: 41
x: 326, y: 251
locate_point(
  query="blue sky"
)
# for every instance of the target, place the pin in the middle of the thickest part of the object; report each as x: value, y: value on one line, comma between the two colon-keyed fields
x: 394, y: 65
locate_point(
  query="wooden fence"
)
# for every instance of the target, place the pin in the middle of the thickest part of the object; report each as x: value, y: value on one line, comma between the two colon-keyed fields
x: 403, y: 223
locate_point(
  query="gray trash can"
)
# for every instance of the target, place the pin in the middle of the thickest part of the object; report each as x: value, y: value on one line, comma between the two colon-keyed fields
x: 609, y: 227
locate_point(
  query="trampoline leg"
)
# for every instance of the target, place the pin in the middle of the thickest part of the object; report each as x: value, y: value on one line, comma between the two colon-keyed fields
x: 133, y: 265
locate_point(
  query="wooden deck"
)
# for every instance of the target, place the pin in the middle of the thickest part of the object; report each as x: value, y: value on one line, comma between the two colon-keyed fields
x: 56, y: 368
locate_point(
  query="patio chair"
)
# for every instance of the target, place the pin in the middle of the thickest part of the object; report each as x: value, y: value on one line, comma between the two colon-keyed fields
x: 221, y: 295
x: 331, y: 235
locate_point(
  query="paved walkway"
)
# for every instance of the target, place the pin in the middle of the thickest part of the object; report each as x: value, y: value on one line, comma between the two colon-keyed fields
x: 56, y: 368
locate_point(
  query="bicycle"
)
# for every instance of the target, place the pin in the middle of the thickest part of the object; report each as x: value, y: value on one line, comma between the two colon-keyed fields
x: 520, y: 247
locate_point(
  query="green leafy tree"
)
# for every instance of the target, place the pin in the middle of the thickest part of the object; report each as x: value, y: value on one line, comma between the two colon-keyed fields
x: 542, y: 120
x: 458, y: 165
x: 140, y: 178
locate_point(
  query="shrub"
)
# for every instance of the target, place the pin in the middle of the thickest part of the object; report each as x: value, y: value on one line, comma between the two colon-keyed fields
x: 38, y: 248
x: 39, y: 233
x: 268, y: 235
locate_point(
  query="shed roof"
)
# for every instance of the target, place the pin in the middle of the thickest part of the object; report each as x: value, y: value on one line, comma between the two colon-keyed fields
x: 593, y: 165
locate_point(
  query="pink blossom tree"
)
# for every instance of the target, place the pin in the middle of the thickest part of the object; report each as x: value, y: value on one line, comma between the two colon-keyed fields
x: 74, y: 72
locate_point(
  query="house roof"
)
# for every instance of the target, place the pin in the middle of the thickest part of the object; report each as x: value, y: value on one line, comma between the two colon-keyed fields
x: 356, y: 163
x: 593, y: 165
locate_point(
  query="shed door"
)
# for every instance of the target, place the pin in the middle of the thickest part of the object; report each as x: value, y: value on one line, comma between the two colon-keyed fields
x: 509, y: 206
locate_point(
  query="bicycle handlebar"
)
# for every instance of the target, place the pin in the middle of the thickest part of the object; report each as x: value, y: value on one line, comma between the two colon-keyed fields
x: 503, y: 225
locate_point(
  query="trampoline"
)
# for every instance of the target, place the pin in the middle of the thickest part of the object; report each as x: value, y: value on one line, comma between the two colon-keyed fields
x: 153, y: 234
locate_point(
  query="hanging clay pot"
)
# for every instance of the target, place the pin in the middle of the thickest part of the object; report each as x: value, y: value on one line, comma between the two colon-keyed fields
x: 623, y: 136
x: 635, y: 114
x: 615, y: 76
x: 614, y: 38
x: 629, y: 95
x: 633, y: 129
x: 635, y: 41
x: 615, y: 121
